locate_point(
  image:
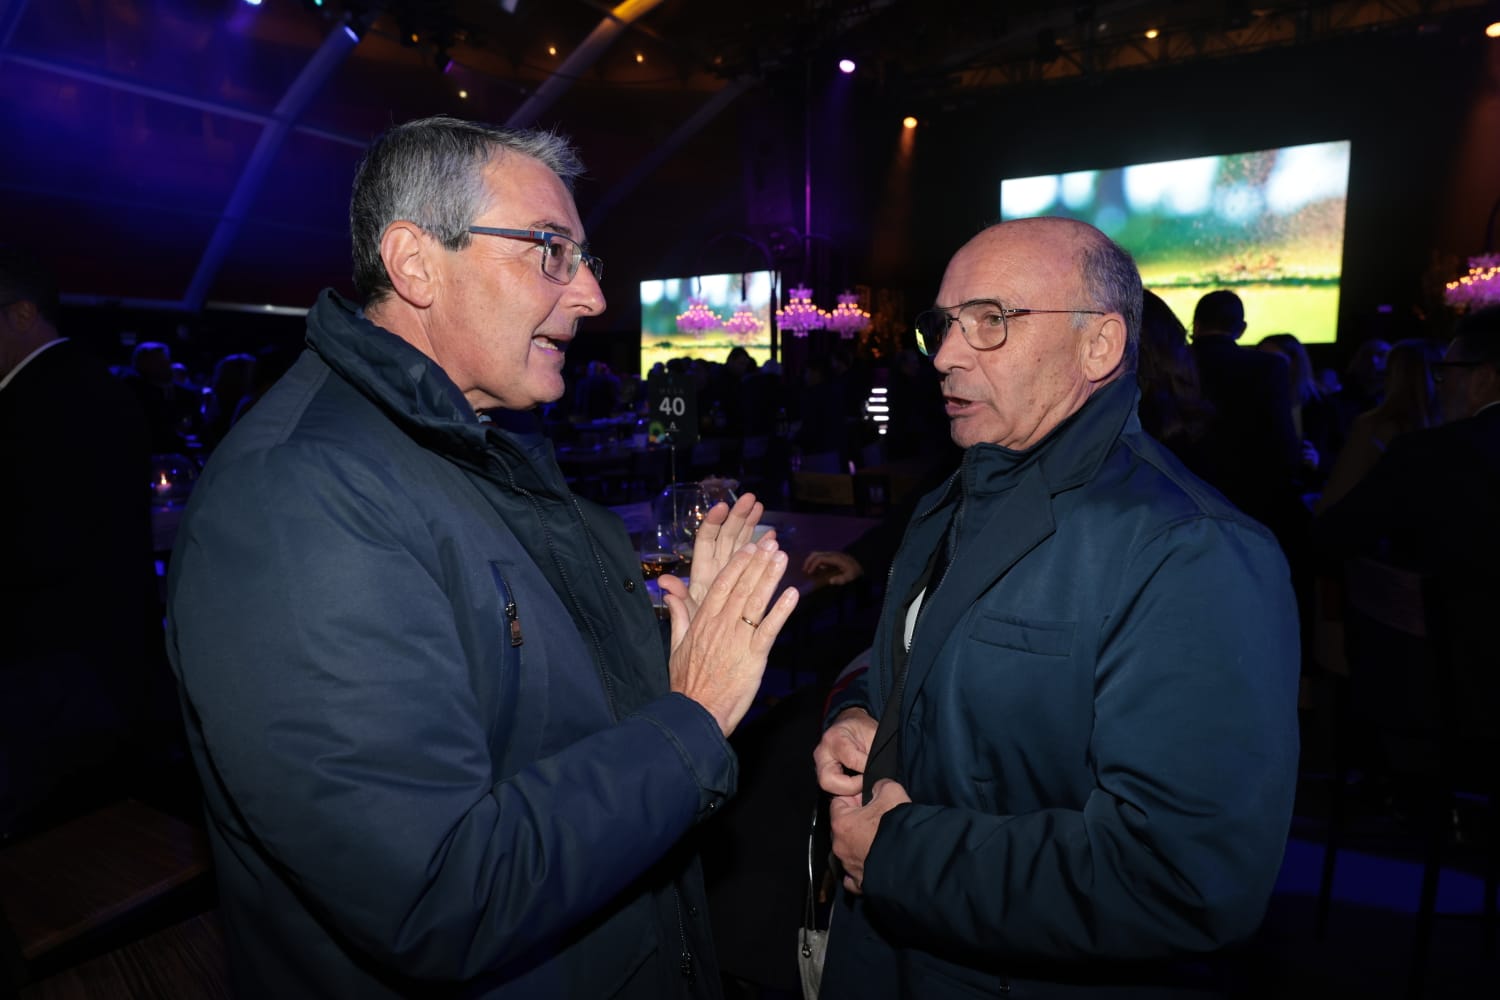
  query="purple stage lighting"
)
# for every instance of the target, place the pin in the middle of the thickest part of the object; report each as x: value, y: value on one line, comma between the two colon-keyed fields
x: 846, y: 65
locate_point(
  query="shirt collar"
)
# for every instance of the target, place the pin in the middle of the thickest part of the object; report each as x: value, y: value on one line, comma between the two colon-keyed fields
x: 27, y: 360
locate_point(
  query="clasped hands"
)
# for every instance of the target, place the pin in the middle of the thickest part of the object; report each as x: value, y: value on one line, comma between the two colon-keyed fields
x: 722, y: 629
x: 840, y: 758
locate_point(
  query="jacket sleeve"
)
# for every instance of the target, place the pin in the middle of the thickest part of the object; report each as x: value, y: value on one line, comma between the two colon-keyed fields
x: 321, y: 664
x: 1193, y: 756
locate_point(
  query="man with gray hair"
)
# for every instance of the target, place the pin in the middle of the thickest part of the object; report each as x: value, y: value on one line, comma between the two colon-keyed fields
x: 1070, y: 765
x: 443, y: 745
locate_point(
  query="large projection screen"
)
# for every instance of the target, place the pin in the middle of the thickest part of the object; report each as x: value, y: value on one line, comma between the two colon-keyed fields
x: 1267, y: 225
x: 663, y: 299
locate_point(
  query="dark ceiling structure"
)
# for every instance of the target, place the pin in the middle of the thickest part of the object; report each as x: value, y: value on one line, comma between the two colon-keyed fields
x: 192, y: 154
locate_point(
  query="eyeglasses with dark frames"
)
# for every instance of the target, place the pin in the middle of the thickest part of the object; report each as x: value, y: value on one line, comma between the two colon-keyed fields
x: 983, y: 323
x: 561, y: 255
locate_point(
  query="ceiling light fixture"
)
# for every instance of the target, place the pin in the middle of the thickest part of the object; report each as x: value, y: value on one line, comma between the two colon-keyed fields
x: 908, y: 122
x: 846, y: 66
x: 552, y: 50
x: 1152, y: 32
x: 1492, y: 30
x: 640, y: 57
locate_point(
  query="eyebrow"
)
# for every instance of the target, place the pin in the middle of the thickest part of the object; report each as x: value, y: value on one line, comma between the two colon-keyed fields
x: 970, y: 302
x: 560, y: 228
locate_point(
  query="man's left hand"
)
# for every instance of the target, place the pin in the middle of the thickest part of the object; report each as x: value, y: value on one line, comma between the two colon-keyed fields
x: 723, y: 531
x: 854, y: 826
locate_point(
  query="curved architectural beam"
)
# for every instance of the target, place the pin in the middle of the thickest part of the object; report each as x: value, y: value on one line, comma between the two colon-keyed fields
x: 711, y: 108
x: 587, y: 53
x: 314, y: 75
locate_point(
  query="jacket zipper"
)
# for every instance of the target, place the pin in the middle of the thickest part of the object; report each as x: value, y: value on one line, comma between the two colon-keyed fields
x: 513, y: 617
x: 685, y: 964
x: 512, y: 611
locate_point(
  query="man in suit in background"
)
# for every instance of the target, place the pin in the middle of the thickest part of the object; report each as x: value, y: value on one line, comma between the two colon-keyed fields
x: 1252, y: 431
x: 79, y: 622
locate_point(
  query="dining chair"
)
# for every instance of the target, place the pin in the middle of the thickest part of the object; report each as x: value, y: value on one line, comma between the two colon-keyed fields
x: 1423, y: 680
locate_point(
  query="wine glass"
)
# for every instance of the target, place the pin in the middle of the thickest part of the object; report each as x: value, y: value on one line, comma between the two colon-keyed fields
x: 660, y: 553
x: 716, y: 489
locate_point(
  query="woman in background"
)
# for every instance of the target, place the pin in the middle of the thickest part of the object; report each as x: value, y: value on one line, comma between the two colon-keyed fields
x: 1312, y: 411
x: 1172, y: 408
x: 1409, y: 404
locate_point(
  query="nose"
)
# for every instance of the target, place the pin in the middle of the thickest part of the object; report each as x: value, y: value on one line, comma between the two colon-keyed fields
x: 585, y: 292
x: 952, y: 351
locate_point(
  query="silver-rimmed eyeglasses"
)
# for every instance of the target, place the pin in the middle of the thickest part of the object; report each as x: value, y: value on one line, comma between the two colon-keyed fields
x: 984, y: 323
x: 561, y: 255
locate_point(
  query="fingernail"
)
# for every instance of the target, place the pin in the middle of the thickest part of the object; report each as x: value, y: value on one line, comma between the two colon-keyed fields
x: 768, y: 544
x: 779, y: 558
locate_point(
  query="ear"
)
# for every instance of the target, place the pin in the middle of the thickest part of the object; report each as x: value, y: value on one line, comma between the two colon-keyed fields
x: 1104, y: 348
x: 408, y: 255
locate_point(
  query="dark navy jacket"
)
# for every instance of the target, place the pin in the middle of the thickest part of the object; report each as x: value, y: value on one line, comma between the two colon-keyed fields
x: 1098, y: 729
x: 427, y: 697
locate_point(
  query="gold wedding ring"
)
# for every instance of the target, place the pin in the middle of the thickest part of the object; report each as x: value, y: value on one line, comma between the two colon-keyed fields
x: 747, y: 621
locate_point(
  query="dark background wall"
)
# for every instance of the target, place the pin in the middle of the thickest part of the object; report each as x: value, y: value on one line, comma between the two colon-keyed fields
x: 1423, y: 113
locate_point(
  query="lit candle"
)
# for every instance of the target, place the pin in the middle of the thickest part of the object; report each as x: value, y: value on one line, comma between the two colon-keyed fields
x: 162, y: 487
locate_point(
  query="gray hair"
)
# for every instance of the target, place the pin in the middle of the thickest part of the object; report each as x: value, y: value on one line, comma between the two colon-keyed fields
x: 431, y: 172
x: 1112, y: 283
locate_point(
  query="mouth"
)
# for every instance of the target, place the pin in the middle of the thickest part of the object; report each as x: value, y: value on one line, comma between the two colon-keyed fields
x: 554, y: 345
x: 955, y: 405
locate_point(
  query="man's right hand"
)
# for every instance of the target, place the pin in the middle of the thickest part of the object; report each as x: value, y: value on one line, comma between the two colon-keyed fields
x: 841, y: 567
x: 845, y: 747
x: 719, y: 648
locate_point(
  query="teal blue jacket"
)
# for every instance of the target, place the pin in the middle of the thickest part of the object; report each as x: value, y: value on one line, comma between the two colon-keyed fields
x: 428, y: 701
x: 1098, y: 731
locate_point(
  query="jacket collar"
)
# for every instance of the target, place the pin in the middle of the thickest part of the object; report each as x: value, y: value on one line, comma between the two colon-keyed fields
x: 418, y: 396
x: 1067, y: 457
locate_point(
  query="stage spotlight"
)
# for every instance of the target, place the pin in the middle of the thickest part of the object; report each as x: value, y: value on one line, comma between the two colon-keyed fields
x: 463, y: 95
x: 1152, y: 33
x: 552, y: 50
x: 1492, y: 30
x: 640, y: 57
x: 908, y: 122
x: 846, y: 66
x: 253, y: 3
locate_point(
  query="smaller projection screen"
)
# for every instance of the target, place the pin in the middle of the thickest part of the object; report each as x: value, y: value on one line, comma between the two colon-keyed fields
x: 748, y: 296
x: 1267, y: 225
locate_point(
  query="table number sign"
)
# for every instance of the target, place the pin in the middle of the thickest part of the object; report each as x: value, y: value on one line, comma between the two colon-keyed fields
x: 674, y: 409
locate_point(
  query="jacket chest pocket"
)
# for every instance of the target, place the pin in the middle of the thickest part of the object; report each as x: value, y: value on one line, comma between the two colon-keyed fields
x: 1027, y: 638
x: 1025, y: 698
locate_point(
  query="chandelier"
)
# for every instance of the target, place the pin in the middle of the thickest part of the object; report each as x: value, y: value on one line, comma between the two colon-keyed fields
x: 1477, y: 289
x: 744, y: 325
x: 800, y: 315
x: 698, y: 319
x: 848, y: 318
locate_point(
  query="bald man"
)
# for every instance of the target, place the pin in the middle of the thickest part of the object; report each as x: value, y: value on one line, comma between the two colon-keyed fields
x: 1069, y: 769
